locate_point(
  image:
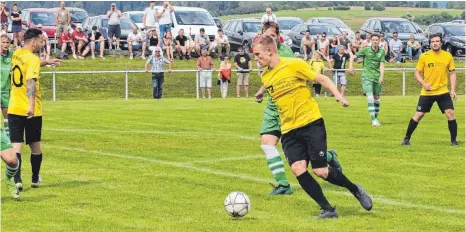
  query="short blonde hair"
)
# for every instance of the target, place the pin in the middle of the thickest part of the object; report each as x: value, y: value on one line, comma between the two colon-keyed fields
x: 266, y: 41
x: 5, y: 35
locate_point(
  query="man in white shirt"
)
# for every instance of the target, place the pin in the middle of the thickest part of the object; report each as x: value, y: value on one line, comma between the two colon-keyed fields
x: 396, y: 46
x: 268, y: 16
x: 165, y: 20
x: 136, y: 41
x: 202, y: 41
x: 114, y: 29
x: 150, y: 17
x: 221, y: 43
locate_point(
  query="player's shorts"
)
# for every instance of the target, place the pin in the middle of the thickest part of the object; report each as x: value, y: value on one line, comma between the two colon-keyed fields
x: 20, y: 125
x: 340, y: 78
x: 307, y: 143
x: 271, y: 124
x: 371, y: 86
x: 444, y: 102
x: 243, y: 79
x: 205, y: 79
x: 4, y: 99
x: 5, y: 141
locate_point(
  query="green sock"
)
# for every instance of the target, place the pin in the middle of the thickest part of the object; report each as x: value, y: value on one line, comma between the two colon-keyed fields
x: 371, y: 106
x: 275, y: 163
x: 329, y: 157
x: 7, y: 130
x: 377, y: 107
x: 11, y: 171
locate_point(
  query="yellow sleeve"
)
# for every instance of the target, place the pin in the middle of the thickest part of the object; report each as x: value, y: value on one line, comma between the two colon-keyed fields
x: 421, y: 63
x: 451, y: 66
x: 303, y: 70
x: 33, y: 70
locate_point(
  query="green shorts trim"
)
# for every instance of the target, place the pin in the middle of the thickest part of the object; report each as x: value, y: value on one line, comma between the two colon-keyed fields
x: 6, y: 144
x: 371, y: 86
x: 271, y: 122
x: 5, y: 99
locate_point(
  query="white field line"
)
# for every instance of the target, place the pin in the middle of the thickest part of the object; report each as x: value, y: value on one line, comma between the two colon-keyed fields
x: 248, y: 157
x: 379, y: 199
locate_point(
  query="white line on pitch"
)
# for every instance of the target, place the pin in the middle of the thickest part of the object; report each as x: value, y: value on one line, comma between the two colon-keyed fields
x: 248, y: 157
x: 256, y: 179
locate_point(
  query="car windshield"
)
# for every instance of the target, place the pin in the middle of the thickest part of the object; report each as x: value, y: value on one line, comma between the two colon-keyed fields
x: 329, y: 30
x: 252, y: 26
x: 194, y: 18
x: 137, y: 18
x: 44, y: 18
x: 78, y: 16
x: 455, y: 31
x: 336, y: 22
x: 125, y: 23
x: 398, y: 26
x: 287, y: 24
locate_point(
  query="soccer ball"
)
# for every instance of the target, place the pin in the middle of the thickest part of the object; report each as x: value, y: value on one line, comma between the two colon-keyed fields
x: 237, y: 204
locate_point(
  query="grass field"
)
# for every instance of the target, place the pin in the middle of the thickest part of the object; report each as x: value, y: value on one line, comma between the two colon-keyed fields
x: 144, y: 165
x: 355, y: 17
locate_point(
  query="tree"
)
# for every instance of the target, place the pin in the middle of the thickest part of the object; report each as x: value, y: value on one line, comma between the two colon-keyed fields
x: 435, y: 5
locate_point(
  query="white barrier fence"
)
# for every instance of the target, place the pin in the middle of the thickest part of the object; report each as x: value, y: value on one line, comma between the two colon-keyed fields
x: 127, y: 72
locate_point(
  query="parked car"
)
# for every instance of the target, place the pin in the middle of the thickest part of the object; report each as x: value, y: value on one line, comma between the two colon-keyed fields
x: 293, y: 39
x: 404, y: 27
x: 287, y: 23
x: 218, y: 22
x: 241, y: 32
x: 31, y: 17
x: 453, y: 36
x: 137, y: 17
x: 461, y: 21
x: 334, y: 21
x: 101, y: 21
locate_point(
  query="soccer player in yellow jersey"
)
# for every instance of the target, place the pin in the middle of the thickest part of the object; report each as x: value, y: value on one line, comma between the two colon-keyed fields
x: 304, y: 136
x: 435, y: 65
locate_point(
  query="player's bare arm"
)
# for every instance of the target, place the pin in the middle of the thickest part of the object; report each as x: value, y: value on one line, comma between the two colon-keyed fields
x: 421, y: 81
x: 453, y: 84
x: 31, y: 93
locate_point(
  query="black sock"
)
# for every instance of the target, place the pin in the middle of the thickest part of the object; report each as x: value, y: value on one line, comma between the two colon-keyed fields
x: 18, y: 173
x: 338, y: 178
x: 411, y: 127
x: 453, y: 127
x: 36, y: 161
x: 314, y: 190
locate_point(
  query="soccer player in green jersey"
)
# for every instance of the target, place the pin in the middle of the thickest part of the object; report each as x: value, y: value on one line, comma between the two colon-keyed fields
x: 271, y: 126
x: 5, y: 68
x: 372, y: 76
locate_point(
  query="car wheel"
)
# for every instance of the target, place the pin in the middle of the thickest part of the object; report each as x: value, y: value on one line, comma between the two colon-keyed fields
x: 247, y: 47
x: 450, y: 49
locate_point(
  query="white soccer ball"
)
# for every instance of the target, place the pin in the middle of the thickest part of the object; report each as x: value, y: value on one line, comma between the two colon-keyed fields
x: 237, y: 204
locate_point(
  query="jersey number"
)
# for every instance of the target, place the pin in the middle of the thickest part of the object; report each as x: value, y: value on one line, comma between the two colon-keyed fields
x: 14, y: 78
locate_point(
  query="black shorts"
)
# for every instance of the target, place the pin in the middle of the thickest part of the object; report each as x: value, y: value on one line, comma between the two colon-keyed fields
x: 114, y: 30
x: 307, y: 143
x: 20, y: 125
x: 444, y: 102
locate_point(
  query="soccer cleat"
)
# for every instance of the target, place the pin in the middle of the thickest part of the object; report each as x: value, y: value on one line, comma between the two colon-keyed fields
x: 406, y: 142
x: 376, y: 123
x: 363, y: 198
x: 334, y: 163
x: 326, y: 214
x: 35, y: 181
x: 281, y: 190
x: 454, y: 143
x: 12, y: 187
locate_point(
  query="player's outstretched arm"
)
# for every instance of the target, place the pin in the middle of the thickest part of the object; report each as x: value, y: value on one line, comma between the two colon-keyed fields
x: 327, y: 83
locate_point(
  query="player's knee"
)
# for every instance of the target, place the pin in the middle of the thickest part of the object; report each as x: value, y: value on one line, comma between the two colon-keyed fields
x: 321, y: 172
x: 9, y: 156
x: 267, y: 139
x: 299, y: 167
x: 418, y: 116
x: 35, y: 147
x: 450, y: 114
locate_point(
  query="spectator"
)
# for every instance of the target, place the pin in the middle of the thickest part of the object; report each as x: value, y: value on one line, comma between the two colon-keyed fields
x: 268, y: 16
x: 63, y: 19
x: 345, y: 41
x: 334, y: 44
x: 136, y: 41
x: 80, y: 40
x: 114, y: 26
x: 339, y: 62
x: 222, y: 43
x: 153, y: 39
x: 168, y: 45
x: 16, y: 26
x: 45, y: 50
x: 183, y: 47
x: 156, y: 60
x: 205, y: 65
x: 97, y: 41
x: 413, y: 48
x: 66, y: 39
x: 322, y: 45
x: 318, y: 66
x: 224, y: 75
x: 4, y: 12
x: 150, y: 17
x: 356, y: 42
x: 201, y: 41
x: 244, y: 64
x: 396, y: 46
x: 165, y: 18
x: 307, y: 44
x: 366, y: 42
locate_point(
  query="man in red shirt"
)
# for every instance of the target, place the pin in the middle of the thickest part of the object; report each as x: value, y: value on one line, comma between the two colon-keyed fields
x: 66, y: 39
x: 80, y: 40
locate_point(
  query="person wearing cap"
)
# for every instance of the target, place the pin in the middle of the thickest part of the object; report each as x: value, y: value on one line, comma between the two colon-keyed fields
x: 150, y: 17
x: 80, y: 39
x: 96, y: 41
x: 201, y: 41
x: 65, y: 40
x: 165, y: 19
x: 114, y: 29
x: 63, y: 19
x: 45, y: 50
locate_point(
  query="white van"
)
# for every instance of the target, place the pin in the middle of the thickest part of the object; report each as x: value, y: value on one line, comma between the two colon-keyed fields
x: 191, y: 20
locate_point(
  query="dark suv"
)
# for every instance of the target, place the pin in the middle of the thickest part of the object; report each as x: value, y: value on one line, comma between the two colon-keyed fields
x: 389, y: 25
x: 241, y: 32
x: 453, y: 36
